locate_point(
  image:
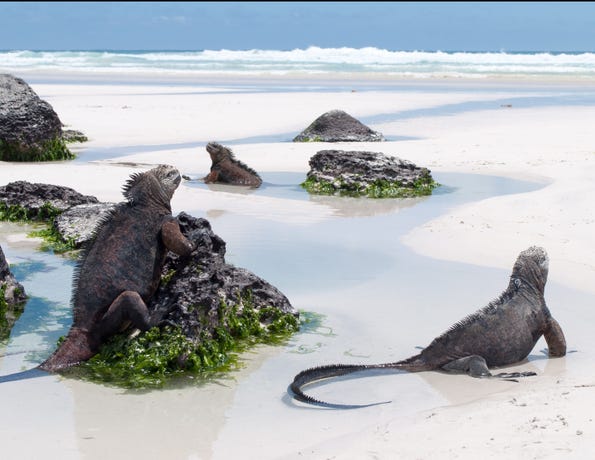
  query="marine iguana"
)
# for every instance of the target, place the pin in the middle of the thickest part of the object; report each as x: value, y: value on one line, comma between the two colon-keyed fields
x: 120, y: 268
x: 226, y: 169
x: 504, y: 332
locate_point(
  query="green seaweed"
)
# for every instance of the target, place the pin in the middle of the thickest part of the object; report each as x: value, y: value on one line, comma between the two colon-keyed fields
x: 162, y: 354
x: 377, y: 189
x: 16, y: 213
x: 53, y: 241
x: 166, y: 278
x: 308, y: 138
x: 51, y: 150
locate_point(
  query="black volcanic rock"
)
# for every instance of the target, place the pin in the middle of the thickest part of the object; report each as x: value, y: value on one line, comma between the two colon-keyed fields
x: 366, y: 173
x: 199, y: 284
x: 40, y: 201
x: 338, y: 126
x: 30, y: 129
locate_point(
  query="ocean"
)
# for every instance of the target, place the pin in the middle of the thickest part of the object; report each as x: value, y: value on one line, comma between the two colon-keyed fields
x: 313, y: 61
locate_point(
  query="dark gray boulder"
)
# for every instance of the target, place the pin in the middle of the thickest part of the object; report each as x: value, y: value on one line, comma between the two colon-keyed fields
x: 373, y: 174
x: 193, y: 289
x: 77, y: 224
x: 25, y: 200
x: 30, y: 129
x: 338, y: 126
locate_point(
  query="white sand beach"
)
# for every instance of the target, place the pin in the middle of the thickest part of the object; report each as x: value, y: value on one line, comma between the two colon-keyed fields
x: 386, y: 276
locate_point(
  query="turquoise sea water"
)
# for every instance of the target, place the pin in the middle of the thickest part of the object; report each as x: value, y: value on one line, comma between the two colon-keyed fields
x: 313, y: 61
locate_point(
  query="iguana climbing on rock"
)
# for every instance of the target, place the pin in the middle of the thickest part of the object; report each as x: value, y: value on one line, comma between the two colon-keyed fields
x: 502, y: 333
x: 226, y: 169
x: 120, y: 268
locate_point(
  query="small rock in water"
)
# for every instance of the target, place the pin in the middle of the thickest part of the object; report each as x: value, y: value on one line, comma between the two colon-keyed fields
x: 373, y: 174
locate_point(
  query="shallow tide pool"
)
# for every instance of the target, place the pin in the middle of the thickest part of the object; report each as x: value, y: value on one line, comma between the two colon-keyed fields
x: 377, y: 302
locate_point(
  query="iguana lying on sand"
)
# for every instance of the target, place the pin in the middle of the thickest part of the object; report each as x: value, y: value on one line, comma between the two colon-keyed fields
x: 120, y: 269
x: 226, y: 169
x: 502, y: 333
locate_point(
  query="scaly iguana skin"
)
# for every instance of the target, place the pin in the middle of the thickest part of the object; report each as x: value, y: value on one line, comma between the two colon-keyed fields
x: 120, y: 269
x: 226, y: 169
x: 502, y: 333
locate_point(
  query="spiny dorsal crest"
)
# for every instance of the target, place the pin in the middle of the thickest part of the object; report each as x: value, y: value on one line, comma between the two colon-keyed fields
x: 159, y: 183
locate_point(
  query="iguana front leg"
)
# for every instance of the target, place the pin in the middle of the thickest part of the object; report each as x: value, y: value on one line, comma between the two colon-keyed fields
x: 211, y: 177
x: 554, y: 338
x: 174, y: 240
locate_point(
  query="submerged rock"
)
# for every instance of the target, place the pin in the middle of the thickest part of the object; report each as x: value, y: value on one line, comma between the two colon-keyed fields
x: 24, y: 200
x: 12, y: 298
x: 373, y: 174
x: 72, y: 135
x: 13, y: 291
x: 30, y: 129
x: 338, y: 126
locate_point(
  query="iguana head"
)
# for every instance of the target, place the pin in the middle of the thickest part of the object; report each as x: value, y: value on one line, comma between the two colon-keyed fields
x: 157, y: 185
x: 218, y: 152
x: 531, y: 269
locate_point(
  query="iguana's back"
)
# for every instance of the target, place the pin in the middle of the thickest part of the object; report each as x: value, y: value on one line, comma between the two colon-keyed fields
x: 126, y: 255
x: 503, y: 333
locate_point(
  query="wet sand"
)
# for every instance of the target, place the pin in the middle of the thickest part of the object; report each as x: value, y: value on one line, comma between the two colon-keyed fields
x: 386, y: 276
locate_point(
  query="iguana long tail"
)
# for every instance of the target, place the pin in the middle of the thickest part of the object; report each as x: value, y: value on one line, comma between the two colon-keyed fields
x: 75, y: 349
x: 315, y: 374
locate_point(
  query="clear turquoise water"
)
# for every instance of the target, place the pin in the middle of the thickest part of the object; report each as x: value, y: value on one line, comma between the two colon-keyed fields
x: 348, y: 250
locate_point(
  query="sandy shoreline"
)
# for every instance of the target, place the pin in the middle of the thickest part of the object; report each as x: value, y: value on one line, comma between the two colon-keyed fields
x: 546, y: 417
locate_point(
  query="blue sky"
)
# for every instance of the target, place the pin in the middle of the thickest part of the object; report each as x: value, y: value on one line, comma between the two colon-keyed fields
x: 429, y: 26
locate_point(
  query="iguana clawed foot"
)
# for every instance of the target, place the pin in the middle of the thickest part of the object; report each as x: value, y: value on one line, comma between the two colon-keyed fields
x: 514, y: 375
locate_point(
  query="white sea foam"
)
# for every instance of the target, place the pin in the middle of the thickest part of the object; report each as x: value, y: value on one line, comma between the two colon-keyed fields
x: 313, y: 60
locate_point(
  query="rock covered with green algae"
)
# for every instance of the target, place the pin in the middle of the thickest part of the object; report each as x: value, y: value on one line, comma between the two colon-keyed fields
x: 22, y: 200
x: 209, y: 311
x: 361, y: 173
x: 30, y: 129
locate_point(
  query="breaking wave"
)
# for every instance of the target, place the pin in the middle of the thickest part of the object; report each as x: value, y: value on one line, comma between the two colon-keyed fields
x: 314, y: 61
